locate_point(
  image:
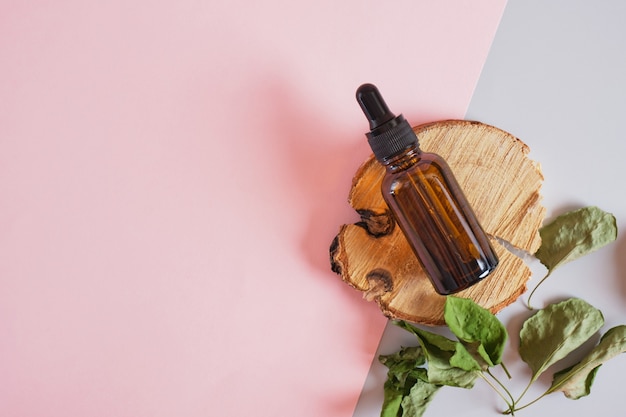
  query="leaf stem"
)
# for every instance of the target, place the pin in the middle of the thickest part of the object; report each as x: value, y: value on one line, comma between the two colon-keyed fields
x: 502, y: 386
x: 506, y: 371
x: 530, y: 403
x: 535, y: 289
x: 511, y: 406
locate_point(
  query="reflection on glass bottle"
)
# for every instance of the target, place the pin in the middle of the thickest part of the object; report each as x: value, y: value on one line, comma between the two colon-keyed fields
x: 426, y: 201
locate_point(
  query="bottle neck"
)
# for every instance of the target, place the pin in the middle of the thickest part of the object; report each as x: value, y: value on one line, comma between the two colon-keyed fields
x: 402, y: 160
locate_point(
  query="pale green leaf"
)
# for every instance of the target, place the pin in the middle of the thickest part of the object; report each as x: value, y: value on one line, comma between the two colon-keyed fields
x: 575, y: 234
x: 476, y: 326
x: 463, y: 359
x: 434, y: 339
x: 403, y: 362
x: 392, y: 400
x: 403, y: 374
x: 415, y: 403
x: 575, y: 382
x: 557, y: 330
x: 439, y: 352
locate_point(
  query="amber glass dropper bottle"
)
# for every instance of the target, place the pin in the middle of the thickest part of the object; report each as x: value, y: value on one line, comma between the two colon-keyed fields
x: 426, y: 201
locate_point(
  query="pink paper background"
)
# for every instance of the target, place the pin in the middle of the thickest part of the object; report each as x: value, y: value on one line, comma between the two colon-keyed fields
x: 171, y: 176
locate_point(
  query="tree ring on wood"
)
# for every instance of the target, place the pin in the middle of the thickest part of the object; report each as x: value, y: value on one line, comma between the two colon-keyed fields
x: 503, y: 187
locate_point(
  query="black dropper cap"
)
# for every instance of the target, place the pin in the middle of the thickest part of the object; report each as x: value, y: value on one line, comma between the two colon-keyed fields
x: 389, y: 134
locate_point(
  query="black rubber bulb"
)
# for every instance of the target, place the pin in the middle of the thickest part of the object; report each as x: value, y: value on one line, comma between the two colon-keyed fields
x: 373, y: 105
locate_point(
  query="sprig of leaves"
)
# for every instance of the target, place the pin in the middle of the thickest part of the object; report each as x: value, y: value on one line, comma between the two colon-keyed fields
x: 549, y: 336
x: 446, y: 362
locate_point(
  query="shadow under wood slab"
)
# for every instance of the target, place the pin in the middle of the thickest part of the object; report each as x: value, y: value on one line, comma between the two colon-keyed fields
x: 502, y: 185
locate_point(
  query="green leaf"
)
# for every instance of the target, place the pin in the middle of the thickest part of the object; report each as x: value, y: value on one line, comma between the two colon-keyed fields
x: 572, y: 235
x: 557, y: 330
x: 575, y: 234
x: 476, y: 326
x: 575, y: 382
x: 403, y: 374
x: 449, y: 363
x: 392, y: 401
x: 421, y: 394
x: 463, y: 359
x: 404, y: 361
x: 406, y: 382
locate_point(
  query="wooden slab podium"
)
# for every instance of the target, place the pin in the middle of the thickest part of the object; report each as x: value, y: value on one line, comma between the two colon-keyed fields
x: 503, y: 186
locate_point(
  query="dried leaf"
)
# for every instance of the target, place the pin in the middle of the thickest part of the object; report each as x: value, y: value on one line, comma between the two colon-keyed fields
x: 402, y: 375
x: 464, y: 359
x: 575, y: 234
x: 421, y: 394
x: 575, y: 382
x: 404, y: 361
x: 393, y: 398
x: 449, y: 363
x: 557, y: 330
x: 476, y: 326
x: 572, y: 235
x: 407, y: 384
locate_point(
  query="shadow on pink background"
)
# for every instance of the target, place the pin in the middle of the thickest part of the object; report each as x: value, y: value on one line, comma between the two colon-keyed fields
x: 172, y: 176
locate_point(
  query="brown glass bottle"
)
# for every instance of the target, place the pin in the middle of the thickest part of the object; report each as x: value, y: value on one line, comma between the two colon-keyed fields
x: 427, y: 202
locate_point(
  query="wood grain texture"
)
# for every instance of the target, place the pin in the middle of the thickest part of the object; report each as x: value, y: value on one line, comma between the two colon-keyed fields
x: 500, y: 182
